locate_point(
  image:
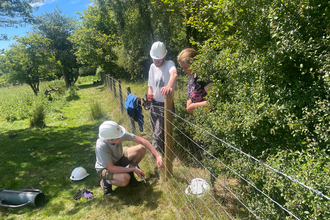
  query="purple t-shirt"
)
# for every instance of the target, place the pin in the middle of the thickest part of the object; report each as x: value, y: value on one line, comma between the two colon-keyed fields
x: 196, y: 89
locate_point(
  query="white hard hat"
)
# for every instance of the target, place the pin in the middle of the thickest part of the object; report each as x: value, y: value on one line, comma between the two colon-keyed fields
x: 78, y: 173
x: 158, y: 50
x: 111, y: 130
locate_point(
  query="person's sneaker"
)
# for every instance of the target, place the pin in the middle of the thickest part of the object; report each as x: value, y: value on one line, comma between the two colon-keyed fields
x: 107, y: 188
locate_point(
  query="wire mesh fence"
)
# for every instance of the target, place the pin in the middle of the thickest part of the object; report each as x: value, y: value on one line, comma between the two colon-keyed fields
x: 204, y: 186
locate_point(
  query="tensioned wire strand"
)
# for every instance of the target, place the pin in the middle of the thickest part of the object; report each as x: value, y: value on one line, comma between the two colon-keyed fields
x: 317, y: 192
x: 279, y: 205
x: 205, y: 168
x: 251, y: 157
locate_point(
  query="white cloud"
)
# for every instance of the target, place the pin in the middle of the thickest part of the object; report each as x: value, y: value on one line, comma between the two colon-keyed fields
x: 39, y: 3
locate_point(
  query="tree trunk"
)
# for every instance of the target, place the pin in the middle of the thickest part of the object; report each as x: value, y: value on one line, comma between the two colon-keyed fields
x: 66, y: 78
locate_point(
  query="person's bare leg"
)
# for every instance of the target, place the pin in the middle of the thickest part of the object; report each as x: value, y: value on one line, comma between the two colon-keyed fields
x: 120, y: 179
x: 136, y: 153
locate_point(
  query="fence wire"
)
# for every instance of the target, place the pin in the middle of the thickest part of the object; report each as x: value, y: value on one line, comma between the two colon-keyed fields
x: 223, y: 200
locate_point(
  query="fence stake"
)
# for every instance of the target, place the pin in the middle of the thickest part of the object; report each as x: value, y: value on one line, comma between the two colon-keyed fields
x: 121, y: 98
x: 114, y: 87
x: 110, y: 82
x: 128, y: 89
x: 168, y: 136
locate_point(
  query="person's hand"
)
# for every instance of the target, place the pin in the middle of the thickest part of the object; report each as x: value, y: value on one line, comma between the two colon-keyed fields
x: 159, y: 162
x: 139, y: 172
x: 190, y: 109
x: 189, y: 102
x: 150, y: 97
x: 166, y: 90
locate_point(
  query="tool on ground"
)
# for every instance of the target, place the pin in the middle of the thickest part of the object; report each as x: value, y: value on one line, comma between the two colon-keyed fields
x: 137, y: 165
x: 20, y: 198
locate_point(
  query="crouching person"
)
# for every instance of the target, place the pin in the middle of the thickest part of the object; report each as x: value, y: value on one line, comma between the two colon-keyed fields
x: 112, y: 158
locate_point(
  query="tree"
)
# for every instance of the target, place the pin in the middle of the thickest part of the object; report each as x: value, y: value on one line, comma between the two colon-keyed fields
x: 117, y: 35
x: 58, y: 28
x: 29, y: 60
x: 95, y: 40
x: 16, y: 13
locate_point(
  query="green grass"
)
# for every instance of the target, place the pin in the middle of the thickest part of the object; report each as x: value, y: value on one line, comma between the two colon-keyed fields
x: 44, y: 159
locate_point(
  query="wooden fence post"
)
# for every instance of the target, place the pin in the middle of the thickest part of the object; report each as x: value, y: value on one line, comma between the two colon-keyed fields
x: 121, y: 98
x: 128, y: 89
x: 168, y: 136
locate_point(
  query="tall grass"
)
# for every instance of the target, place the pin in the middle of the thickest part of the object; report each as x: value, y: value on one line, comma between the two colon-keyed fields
x: 18, y: 102
x: 96, y: 111
x: 38, y: 117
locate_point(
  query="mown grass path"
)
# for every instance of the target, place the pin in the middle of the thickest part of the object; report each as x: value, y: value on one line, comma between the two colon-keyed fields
x: 44, y: 159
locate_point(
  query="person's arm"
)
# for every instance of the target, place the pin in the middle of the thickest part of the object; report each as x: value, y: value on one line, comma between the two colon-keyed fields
x: 191, y: 106
x: 169, y: 87
x: 118, y: 169
x: 147, y: 144
x: 150, y: 91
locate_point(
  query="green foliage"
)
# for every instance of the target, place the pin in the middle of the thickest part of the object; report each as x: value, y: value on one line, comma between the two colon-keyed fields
x: 269, y: 63
x: 269, y: 72
x: 17, y: 102
x: 58, y: 28
x: 97, y: 31
x: 38, y: 117
x: 309, y: 167
x: 28, y: 61
x: 119, y: 35
x: 16, y: 14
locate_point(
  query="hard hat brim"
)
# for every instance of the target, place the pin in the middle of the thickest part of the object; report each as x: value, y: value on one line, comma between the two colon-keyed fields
x: 157, y: 58
x: 123, y: 131
x: 77, y: 179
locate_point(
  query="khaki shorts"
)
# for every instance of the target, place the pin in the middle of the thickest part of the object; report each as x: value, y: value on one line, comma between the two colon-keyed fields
x: 122, y: 162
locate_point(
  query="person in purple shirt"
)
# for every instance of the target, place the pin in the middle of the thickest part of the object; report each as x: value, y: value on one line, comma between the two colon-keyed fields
x: 197, y: 90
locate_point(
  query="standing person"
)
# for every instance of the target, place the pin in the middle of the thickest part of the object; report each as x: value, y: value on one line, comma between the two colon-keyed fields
x: 162, y: 77
x: 197, y: 90
x: 112, y: 158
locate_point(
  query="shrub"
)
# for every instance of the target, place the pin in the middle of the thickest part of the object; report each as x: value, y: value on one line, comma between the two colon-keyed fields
x: 38, y: 117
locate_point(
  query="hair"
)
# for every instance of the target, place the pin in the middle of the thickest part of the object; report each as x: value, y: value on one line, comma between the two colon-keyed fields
x: 186, y: 55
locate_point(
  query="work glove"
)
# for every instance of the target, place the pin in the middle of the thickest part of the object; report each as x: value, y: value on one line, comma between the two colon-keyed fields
x: 88, y: 194
x: 83, y: 193
x: 150, y: 97
x: 79, y: 195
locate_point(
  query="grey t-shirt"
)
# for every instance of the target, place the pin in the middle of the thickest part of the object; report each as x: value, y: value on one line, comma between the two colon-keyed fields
x: 106, y: 152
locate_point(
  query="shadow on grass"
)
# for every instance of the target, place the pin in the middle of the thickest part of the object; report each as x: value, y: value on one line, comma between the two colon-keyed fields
x: 44, y: 159
x: 87, y: 86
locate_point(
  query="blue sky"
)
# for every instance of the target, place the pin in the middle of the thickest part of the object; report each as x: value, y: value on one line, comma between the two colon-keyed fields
x: 68, y: 8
